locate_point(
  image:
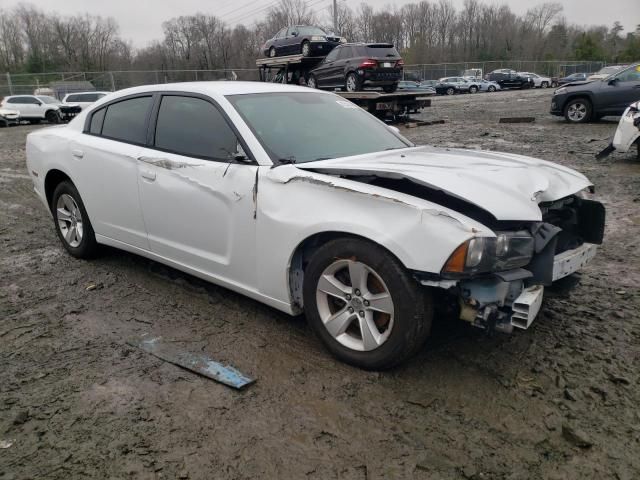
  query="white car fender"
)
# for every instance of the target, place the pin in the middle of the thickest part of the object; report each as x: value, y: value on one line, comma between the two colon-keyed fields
x: 293, y: 205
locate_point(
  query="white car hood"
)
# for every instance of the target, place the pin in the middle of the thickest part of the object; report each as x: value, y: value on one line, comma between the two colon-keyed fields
x: 508, y: 186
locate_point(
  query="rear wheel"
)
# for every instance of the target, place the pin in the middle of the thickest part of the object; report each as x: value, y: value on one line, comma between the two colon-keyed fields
x: 578, y: 110
x: 353, y: 83
x: 473, y: 89
x: 491, y: 88
x: 544, y: 85
x: 72, y: 222
x: 364, y: 305
x: 450, y: 91
x: 306, y: 49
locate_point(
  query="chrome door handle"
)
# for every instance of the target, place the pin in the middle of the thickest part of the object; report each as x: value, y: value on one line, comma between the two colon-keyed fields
x: 148, y: 174
x: 77, y: 153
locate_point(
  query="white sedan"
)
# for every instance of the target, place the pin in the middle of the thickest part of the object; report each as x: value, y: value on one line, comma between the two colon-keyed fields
x: 300, y: 199
x: 83, y: 99
x: 539, y: 81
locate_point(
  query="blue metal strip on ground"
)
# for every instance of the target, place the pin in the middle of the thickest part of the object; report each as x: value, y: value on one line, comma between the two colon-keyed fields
x: 198, y: 363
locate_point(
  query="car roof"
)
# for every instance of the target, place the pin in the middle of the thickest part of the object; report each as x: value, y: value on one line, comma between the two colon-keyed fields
x: 85, y: 93
x: 220, y: 87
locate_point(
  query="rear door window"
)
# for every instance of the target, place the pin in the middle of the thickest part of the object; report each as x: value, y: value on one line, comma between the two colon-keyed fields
x: 195, y: 128
x: 127, y: 120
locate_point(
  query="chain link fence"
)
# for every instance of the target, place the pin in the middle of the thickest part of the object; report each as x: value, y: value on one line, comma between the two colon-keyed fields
x: 61, y: 83
x: 435, y: 71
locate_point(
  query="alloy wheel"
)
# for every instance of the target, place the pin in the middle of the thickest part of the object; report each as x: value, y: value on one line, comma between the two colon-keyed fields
x: 351, y: 84
x: 577, y: 112
x: 306, y: 49
x: 355, y: 305
x: 69, y: 220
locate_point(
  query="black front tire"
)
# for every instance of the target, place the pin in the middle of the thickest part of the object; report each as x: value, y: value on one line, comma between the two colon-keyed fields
x: 52, y: 117
x: 312, y: 81
x: 390, y: 88
x: 413, y: 305
x: 578, y: 105
x: 88, y: 247
x: 272, y: 52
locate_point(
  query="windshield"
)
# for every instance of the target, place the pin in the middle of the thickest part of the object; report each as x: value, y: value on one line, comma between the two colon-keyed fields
x: 302, y: 127
x: 45, y: 99
x: 311, y: 31
x: 608, y: 70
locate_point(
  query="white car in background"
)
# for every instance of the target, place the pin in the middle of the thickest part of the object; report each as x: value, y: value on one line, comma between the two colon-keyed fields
x: 34, y: 108
x: 83, y: 99
x: 337, y: 216
x: 539, y: 81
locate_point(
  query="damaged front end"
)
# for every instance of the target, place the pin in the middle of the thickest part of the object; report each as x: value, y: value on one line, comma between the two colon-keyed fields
x: 498, y: 282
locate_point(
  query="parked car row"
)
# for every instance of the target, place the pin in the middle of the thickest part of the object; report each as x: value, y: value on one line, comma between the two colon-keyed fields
x: 36, y: 108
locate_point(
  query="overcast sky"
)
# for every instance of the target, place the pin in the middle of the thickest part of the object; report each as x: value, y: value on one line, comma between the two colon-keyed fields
x: 140, y: 21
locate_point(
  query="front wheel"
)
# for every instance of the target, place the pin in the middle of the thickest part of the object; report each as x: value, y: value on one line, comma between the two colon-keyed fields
x: 450, y: 91
x: 52, y: 117
x: 390, y: 88
x: 491, y: 88
x: 312, y: 82
x: 544, y: 85
x: 473, y: 89
x: 72, y: 222
x: 364, y: 305
x: 578, y: 111
x: 272, y: 52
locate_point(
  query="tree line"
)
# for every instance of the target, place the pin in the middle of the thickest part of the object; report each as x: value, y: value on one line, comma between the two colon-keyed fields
x: 431, y: 31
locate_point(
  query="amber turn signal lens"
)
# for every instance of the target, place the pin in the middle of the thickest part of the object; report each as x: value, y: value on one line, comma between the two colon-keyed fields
x: 457, y: 260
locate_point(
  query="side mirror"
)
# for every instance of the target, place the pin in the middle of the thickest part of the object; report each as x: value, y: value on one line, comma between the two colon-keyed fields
x: 295, y: 34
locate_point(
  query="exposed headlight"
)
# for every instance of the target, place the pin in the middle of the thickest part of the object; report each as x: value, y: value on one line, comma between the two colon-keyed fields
x: 505, y: 251
x: 560, y: 91
x: 318, y: 38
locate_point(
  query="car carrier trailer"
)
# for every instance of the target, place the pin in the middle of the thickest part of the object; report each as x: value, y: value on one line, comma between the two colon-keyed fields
x: 294, y: 69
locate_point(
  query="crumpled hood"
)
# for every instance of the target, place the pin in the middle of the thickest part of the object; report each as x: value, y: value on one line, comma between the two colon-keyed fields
x: 508, y: 186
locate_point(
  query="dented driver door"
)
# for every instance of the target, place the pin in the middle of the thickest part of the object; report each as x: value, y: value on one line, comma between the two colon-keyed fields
x: 198, y: 205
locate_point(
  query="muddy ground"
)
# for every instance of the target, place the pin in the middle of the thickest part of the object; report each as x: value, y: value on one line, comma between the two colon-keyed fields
x: 560, y: 400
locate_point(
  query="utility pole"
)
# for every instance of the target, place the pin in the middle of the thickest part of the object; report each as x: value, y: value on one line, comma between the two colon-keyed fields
x: 335, y: 17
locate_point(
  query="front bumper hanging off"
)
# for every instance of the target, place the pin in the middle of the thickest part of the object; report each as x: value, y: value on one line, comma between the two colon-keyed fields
x: 506, y: 300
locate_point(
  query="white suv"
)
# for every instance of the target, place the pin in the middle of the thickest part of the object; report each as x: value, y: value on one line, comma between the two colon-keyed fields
x: 83, y: 99
x: 34, y: 108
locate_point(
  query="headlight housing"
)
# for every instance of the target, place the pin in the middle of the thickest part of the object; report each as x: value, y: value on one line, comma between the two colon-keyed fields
x: 560, y: 91
x: 318, y: 38
x: 505, y: 251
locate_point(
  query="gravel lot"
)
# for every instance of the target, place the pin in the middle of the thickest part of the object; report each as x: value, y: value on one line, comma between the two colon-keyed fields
x: 559, y: 400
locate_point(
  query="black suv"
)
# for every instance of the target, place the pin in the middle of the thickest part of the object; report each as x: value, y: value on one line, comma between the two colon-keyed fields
x: 580, y: 102
x: 355, y: 66
x: 510, y: 79
x: 301, y: 39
